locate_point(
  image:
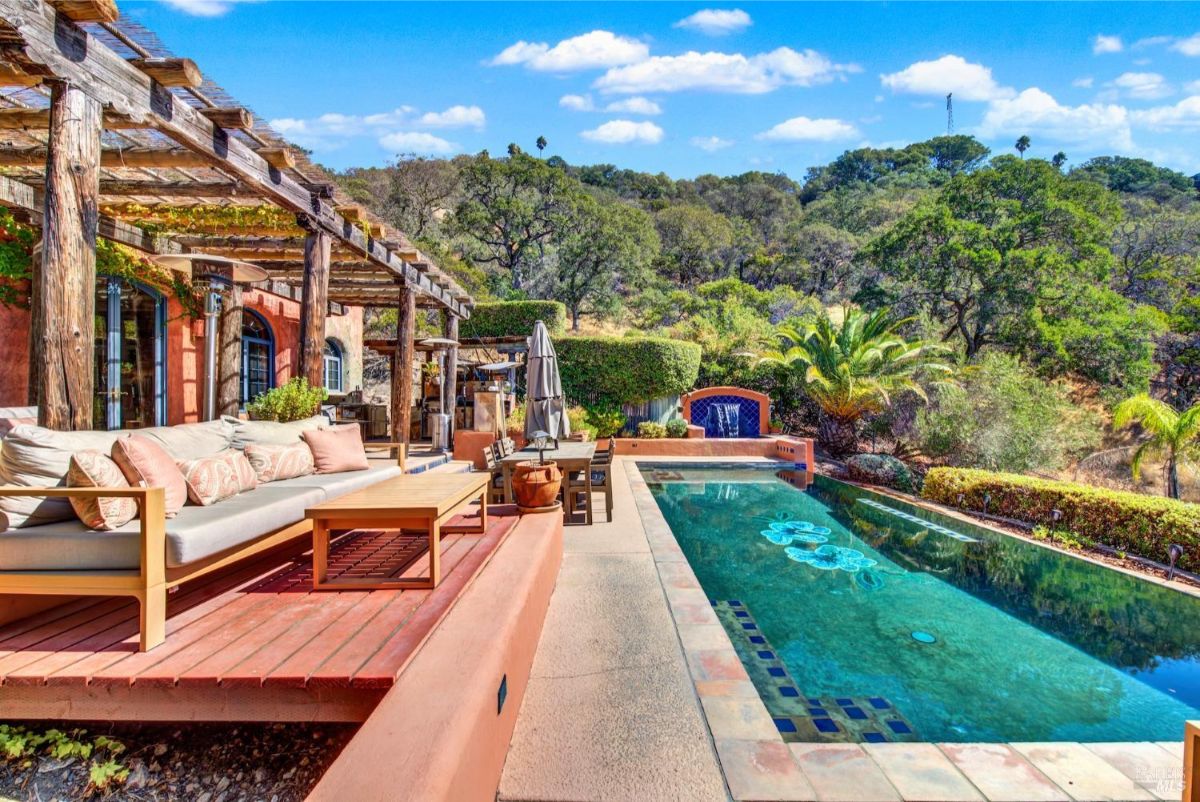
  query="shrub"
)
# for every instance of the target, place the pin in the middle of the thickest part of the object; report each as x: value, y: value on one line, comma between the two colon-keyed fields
x: 606, y: 419
x: 577, y: 417
x: 881, y: 469
x: 515, y: 421
x: 1143, y: 525
x: 625, y: 370
x: 512, y: 318
x: 676, y: 427
x: 294, y: 400
x: 1002, y: 417
x: 649, y: 430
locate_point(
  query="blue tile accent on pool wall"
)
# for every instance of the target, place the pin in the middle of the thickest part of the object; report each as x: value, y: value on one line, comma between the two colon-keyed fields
x: 747, y: 414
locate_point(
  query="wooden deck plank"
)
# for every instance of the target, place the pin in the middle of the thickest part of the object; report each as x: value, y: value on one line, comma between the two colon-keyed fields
x: 296, y: 670
x: 193, y: 602
x: 67, y: 639
x: 387, y: 663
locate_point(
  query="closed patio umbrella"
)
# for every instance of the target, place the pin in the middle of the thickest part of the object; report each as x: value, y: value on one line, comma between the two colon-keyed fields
x: 545, y: 409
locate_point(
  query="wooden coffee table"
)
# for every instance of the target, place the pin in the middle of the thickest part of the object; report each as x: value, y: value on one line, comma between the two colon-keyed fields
x: 413, y: 501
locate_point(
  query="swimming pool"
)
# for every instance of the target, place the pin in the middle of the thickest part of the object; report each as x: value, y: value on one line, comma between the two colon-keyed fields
x: 861, y: 618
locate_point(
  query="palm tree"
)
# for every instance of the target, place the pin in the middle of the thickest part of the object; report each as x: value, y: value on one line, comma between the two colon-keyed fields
x: 855, y: 368
x: 541, y: 143
x: 1174, y: 434
x: 1023, y: 145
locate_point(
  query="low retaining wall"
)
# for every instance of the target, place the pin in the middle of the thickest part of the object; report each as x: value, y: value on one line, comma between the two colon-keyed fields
x: 441, y: 733
x: 797, y: 450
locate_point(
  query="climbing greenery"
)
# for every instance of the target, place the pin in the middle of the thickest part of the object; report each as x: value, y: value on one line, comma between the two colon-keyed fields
x: 16, y: 244
x: 118, y: 261
x: 625, y: 370
x: 263, y: 219
x: 513, y: 318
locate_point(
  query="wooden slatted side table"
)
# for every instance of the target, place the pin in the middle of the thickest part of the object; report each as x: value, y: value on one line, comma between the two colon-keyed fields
x: 413, y: 501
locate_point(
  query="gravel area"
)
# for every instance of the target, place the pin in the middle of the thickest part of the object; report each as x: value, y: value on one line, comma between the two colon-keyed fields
x: 194, y: 762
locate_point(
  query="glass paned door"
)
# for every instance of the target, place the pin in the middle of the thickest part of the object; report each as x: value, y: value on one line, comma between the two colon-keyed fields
x: 130, y: 356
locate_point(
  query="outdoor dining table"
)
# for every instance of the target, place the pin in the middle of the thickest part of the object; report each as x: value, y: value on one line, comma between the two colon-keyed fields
x: 571, y: 456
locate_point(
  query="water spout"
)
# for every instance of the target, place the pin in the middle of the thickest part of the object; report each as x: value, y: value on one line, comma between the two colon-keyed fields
x: 723, y: 420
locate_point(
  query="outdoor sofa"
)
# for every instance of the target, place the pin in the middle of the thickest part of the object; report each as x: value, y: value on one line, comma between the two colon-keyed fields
x: 151, y: 554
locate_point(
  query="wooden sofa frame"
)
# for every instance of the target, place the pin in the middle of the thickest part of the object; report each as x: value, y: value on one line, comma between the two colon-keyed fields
x: 151, y: 583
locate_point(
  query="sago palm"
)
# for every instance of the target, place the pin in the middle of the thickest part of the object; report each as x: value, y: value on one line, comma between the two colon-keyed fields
x: 855, y: 369
x: 1173, y: 434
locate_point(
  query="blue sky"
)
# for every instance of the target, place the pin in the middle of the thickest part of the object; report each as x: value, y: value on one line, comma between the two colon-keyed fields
x: 695, y: 88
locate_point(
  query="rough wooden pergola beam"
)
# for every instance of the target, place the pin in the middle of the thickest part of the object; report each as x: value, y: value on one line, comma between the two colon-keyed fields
x: 39, y: 120
x: 12, y: 76
x: 16, y: 195
x: 230, y: 118
x: 87, y: 10
x: 130, y: 157
x: 171, y: 71
x: 176, y: 189
x: 44, y: 43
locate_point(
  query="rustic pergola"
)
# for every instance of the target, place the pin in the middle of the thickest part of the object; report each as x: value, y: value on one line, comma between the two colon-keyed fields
x: 101, y: 126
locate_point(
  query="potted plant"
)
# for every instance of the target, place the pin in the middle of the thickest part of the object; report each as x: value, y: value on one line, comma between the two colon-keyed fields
x: 293, y: 400
x: 775, y: 426
x: 536, y: 483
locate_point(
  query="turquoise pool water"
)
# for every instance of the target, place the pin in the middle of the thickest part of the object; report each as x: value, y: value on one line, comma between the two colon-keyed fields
x: 863, y: 618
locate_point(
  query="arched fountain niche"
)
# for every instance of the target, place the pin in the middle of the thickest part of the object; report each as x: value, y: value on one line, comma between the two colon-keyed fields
x: 727, y: 412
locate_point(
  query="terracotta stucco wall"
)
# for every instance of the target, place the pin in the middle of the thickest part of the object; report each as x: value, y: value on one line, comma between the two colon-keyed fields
x: 14, y: 357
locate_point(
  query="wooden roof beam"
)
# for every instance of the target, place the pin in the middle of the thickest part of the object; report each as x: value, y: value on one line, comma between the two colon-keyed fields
x: 230, y: 118
x: 13, y: 76
x: 176, y: 189
x: 87, y: 10
x: 39, y: 120
x: 132, y: 158
x: 171, y: 71
x: 279, y: 158
x: 42, y: 43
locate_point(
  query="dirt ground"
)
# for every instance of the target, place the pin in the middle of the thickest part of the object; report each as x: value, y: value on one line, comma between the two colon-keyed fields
x: 193, y: 762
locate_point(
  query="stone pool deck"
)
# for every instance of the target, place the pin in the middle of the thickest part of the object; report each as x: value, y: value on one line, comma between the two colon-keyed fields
x: 637, y: 693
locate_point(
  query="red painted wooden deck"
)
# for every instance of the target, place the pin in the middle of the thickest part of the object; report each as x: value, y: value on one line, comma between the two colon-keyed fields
x: 252, y: 643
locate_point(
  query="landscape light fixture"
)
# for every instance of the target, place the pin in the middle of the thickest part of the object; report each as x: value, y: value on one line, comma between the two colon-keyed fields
x: 1174, y: 551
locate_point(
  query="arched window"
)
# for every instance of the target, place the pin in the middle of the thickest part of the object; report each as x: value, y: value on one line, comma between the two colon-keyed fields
x: 333, y: 367
x: 258, y: 356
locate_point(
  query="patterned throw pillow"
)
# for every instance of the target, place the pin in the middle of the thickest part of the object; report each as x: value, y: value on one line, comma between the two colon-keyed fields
x: 216, y: 478
x: 272, y: 463
x: 146, y: 464
x: 95, y: 469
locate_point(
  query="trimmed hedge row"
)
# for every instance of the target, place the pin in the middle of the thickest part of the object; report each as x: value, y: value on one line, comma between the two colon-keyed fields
x: 1142, y: 525
x: 625, y: 370
x: 512, y: 318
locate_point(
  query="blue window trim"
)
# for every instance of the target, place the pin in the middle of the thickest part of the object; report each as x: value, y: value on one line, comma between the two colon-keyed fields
x: 269, y: 341
x: 113, y: 346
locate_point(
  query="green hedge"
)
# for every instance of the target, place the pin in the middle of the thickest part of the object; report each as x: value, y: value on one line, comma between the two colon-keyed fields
x: 511, y: 318
x: 625, y: 370
x: 1142, y: 525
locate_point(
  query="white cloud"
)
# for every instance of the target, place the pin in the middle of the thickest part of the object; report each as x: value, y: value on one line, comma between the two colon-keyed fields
x: 1036, y: 112
x: 594, y: 50
x: 711, y: 144
x: 454, y: 117
x: 806, y: 129
x: 1192, y: 88
x: 1107, y: 44
x: 416, y: 142
x: 577, y: 102
x: 1142, y: 85
x: 625, y: 131
x: 1189, y: 46
x: 723, y: 72
x: 1184, y: 114
x: 635, y: 105
x: 947, y: 74
x: 332, y: 130
x: 1152, y: 41
x: 716, y: 21
x: 1083, y: 83
x: 202, y: 8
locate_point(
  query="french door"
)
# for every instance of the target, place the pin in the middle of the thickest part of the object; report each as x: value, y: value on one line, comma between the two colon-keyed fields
x: 130, y: 356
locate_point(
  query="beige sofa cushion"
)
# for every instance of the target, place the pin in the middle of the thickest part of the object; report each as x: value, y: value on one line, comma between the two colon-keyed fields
x: 188, y: 441
x: 31, y: 456
x: 273, y: 433
x: 216, y: 478
x: 96, y: 469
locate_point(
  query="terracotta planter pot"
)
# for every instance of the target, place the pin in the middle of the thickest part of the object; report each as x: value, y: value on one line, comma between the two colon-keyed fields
x: 536, y: 485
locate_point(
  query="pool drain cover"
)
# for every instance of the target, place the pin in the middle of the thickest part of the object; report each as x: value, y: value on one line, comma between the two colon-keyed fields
x: 923, y: 637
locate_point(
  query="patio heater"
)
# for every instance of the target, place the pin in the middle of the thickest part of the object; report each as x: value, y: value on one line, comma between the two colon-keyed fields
x: 439, y: 424
x: 212, y: 275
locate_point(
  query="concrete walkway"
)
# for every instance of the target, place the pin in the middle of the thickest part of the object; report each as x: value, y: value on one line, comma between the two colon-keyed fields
x: 610, y: 712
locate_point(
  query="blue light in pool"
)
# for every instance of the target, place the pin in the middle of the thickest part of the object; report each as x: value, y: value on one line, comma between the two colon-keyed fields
x: 923, y: 637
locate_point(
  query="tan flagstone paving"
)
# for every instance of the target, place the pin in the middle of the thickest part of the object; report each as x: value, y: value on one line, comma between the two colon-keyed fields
x: 843, y: 773
x: 1149, y: 765
x: 1082, y: 773
x: 1002, y: 774
x: 921, y: 771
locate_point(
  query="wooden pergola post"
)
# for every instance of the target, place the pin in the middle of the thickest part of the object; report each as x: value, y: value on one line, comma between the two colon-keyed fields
x: 63, y: 355
x: 229, y: 352
x: 402, y: 358
x: 314, y: 302
x: 450, y: 330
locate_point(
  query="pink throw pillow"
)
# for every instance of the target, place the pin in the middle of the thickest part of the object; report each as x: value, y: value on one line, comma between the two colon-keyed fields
x: 216, y: 478
x: 147, y: 464
x: 273, y: 463
x: 338, y: 449
x: 95, y: 469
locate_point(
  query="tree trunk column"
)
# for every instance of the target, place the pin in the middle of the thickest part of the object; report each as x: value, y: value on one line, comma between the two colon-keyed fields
x: 229, y: 353
x: 402, y: 358
x: 314, y: 306
x: 63, y: 359
x: 451, y: 377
